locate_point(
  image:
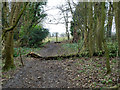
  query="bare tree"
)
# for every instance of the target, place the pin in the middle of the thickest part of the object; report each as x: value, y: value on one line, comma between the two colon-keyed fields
x: 65, y: 10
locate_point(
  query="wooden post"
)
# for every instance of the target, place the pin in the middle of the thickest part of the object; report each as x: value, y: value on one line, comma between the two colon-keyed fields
x: 56, y: 37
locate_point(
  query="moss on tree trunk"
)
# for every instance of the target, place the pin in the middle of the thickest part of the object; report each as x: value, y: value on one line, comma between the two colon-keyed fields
x: 9, y: 62
x: 117, y: 19
x: 107, y: 57
x: 8, y: 33
x: 91, y: 30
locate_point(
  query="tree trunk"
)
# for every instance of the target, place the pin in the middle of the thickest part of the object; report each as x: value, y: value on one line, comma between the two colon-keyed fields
x: 117, y: 19
x: 118, y: 41
x: 85, y: 39
x: 100, y: 24
x: 4, y: 24
x: 67, y: 32
x: 103, y: 38
x: 118, y: 34
x: 110, y: 19
x: 107, y: 57
x: 66, y: 21
x: 9, y: 62
x: 94, y: 29
x: 98, y: 35
x: 75, y: 34
x: 85, y: 30
x: 8, y: 33
x: 91, y: 30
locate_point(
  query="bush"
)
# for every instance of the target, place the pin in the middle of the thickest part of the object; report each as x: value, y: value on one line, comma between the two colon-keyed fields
x: 37, y: 35
x: 24, y: 51
x: 34, y: 37
x: 113, y: 47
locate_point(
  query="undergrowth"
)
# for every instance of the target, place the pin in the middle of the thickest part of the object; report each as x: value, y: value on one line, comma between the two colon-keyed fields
x: 112, y: 47
x: 24, y: 51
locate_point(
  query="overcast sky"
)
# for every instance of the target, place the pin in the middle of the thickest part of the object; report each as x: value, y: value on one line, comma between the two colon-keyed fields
x: 54, y: 16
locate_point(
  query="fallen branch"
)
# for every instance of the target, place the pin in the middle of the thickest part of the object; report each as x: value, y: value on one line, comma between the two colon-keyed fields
x: 34, y: 55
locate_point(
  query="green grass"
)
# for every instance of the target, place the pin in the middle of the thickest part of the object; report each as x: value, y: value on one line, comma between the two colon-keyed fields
x: 114, y: 61
x: 24, y: 51
x: 81, y: 71
x: 54, y: 39
x: 59, y: 59
x: 98, y: 65
x: 77, y: 63
x: 71, y: 46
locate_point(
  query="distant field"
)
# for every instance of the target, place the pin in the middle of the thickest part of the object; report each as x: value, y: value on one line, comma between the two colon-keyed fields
x: 54, y: 39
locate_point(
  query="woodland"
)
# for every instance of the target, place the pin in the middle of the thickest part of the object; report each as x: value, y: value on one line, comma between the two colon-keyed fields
x: 86, y: 56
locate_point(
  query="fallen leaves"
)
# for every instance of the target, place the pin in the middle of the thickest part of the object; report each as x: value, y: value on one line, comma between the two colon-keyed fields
x: 80, y: 72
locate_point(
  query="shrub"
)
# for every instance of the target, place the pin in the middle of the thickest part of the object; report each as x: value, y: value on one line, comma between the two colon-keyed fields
x: 16, y: 52
x: 34, y: 37
x: 37, y: 35
x: 112, y: 49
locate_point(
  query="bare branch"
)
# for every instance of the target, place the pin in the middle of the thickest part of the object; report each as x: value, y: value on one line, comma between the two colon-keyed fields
x: 12, y: 27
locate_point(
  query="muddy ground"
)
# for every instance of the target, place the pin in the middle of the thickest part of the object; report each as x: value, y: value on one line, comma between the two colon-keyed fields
x: 81, y: 72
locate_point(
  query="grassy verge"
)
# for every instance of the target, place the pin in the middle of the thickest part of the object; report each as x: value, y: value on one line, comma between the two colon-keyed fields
x: 71, y: 47
x: 54, y: 39
x: 24, y: 50
x: 112, y: 47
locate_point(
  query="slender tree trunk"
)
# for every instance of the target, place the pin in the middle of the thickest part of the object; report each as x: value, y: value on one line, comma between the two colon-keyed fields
x: 104, y: 40
x: 117, y: 23
x: 100, y: 22
x: 85, y: 39
x: 110, y: 19
x: 96, y: 26
x: 94, y: 29
x: 107, y: 57
x: 66, y: 21
x: 91, y: 30
x: 98, y: 35
x: 118, y: 35
x: 85, y: 30
x: 75, y: 35
x: 67, y: 32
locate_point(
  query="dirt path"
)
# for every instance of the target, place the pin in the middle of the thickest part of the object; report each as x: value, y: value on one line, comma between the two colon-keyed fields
x: 41, y: 74
x: 72, y: 73
x: 51, y: 49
